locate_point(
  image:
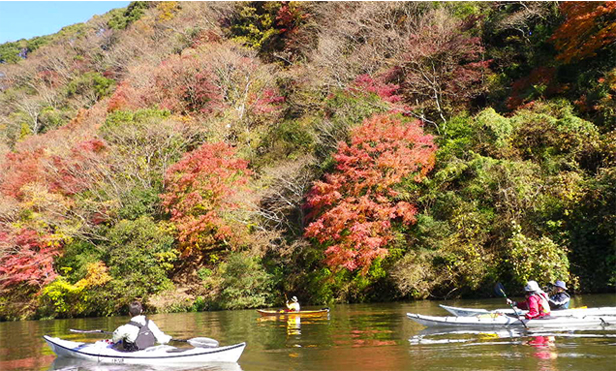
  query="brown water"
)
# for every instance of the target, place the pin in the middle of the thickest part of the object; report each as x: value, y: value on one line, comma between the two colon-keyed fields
x: 352, y: 337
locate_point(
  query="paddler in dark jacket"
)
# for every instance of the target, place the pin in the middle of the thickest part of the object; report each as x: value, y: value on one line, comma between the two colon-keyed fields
x: 130, y: 332
x: 560, y: 299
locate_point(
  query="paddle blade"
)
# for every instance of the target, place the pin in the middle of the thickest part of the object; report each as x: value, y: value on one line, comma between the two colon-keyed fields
x: 203, y: 342
x: 499, y: 289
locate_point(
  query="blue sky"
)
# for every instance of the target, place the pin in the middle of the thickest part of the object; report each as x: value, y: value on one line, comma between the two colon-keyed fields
x: 27, y: 19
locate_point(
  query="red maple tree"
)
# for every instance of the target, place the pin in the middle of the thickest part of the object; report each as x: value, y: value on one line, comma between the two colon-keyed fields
x: 27, y: 257
x: 379, y: 86
x: 19, y: 169
x: 199, y: 192
x: 354, y: 207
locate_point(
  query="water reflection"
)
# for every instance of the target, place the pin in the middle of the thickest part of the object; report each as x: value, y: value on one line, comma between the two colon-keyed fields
x: 362, y: 337
x: 537, y: 338
x: 294, y: 325
x: 456, y: 335
x: 545, y: 352
x: 72, y: 364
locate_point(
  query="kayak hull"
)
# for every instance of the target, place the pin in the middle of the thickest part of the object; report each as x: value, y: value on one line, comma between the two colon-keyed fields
x: 500, y: 321
x: 307, y: 313
x: 579, y: 312
x: 102, y: 352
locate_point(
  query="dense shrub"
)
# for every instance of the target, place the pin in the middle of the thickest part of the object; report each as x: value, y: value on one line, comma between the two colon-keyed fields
x: 122, y: 17
x: 91, y: 87
x: 541, y: 260
x: 503, y: 195
x: 132, y: 262
x: 244, y: 283
x: 63, y: 299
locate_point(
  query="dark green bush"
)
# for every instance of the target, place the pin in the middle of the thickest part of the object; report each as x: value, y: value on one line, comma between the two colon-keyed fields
x: 92, y: 86
x: 139, y: 254
x: 122, y: 17
x: 244, y: 282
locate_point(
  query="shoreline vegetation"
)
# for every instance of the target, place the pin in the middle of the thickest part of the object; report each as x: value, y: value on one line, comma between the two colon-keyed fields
x: 210, y: 156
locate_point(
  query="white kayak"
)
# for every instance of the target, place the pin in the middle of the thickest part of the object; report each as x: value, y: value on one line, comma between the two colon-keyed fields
x: 102, y: 352
x: 499, y: 321
x: 574, y: 312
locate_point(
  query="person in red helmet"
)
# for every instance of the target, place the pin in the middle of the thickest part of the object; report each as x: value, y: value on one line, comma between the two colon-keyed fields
x: 536, y: 302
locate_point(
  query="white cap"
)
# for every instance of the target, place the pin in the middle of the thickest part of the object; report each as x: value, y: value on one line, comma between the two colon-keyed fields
x: 532, y: 286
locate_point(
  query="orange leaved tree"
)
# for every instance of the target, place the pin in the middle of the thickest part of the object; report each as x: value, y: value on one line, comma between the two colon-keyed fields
x: 353, y: 209
x: 588, y: 27
x: 199, y: 193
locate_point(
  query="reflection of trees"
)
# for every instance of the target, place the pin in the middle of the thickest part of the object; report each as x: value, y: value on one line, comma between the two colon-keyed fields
x: 21, y: 345
x: 366, y: 329
x: 284, y: 331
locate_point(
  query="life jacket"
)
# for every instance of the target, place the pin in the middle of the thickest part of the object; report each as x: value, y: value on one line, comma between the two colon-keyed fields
x: 145, y: 337
x: 293, y: 307
x: 544, y: 304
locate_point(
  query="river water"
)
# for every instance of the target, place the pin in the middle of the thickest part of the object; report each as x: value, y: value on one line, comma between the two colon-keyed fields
x: 353, y: 337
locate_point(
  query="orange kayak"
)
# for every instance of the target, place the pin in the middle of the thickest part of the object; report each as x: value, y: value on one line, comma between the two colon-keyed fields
x: 283, y: 312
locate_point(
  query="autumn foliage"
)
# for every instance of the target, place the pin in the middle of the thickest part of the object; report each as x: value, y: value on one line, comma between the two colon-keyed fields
x: 378, y: 85
x: 528, y: 87
x: 443, y: 68
x: 354, y: 207
x: 212, y: 79
x: 589, y: 26
x: 19, y: 169
x: 199, y: 192
x: 27, y: 258
x: 41, y: 182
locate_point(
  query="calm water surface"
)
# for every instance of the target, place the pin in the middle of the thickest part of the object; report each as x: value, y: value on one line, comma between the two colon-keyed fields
x: 353, y: 337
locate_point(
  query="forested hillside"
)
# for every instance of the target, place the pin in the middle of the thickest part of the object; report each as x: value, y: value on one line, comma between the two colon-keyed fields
x: 204, y: 156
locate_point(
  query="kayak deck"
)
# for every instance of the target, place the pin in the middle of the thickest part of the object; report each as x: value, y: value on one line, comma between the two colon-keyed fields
x: 573, y: 312
x: 502, y: 321
x: 102, y: 352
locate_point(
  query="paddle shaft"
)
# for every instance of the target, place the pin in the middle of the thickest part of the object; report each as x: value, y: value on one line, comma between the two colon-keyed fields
x: 189, y: 341
x: 512, y: 306
x: 90, y: 331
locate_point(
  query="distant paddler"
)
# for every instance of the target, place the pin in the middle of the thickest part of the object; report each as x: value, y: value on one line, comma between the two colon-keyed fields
x: 293, y: 305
